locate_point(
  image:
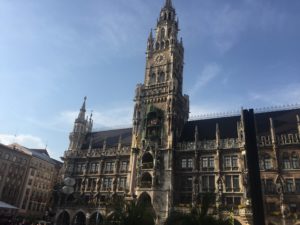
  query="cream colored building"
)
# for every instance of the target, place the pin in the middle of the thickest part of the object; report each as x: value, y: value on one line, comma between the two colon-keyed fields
x: 28, y: 178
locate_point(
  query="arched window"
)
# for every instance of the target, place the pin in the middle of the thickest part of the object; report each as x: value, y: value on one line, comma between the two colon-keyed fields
x: 286, y: 161
x: 146, y: 180
x: 157, y: 46
x: 167, y: 44
x: 162, y: 45
x: 162, y: 33
x: 170, y: 16
x: 165, y: 16
x: 152, y: 79
x: 79, y: 218
x: 295, y: 161
x: 147, y: 161
x: 63, y: 218
x: 169, y: 32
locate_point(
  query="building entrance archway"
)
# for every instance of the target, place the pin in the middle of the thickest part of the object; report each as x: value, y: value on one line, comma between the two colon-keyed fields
x: 63, y: 218
x: 79, y: 219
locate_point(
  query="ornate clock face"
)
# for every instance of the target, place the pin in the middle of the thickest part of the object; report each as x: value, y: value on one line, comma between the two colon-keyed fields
x: 159, y: 59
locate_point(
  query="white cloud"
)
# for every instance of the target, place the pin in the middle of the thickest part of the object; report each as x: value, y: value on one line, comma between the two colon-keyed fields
x: 26, y: 140
x: 280, y: 96
x: 209, y: 72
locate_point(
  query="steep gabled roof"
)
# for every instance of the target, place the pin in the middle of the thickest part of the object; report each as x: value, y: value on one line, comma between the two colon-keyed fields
x: 110, y: 136
x: 284, y: 122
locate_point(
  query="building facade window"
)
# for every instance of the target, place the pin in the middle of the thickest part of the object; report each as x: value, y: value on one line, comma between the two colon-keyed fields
x: 187, y: 163
x: 208, y: 183
x: 94, y: 167
x: 289, y: 185
x: 109, y: 167
x: 208, y: 163
x: 286, y: 161
x: 297, y: 186
x: 124, y: 166
x: 122, y: 183
x: 232, y: 183
x: 269, y: 186
x: 186, y: 183
x: 295, y: 161
x: 107, y: 183
x: 230, y: 162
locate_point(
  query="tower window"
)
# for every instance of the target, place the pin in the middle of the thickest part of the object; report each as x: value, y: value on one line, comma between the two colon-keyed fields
x: 162, y: 33
x: 152, y: 79
x: 157, y: 46
x: 169, y: 32
x: 161, y: 78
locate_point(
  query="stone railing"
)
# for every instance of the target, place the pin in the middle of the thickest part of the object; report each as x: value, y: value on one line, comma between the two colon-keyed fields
x: 96, y: 153
x: 209, y: 145
x: 283, y: 139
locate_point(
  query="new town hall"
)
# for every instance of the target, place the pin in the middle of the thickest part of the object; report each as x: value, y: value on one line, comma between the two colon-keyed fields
x: 171, y: 161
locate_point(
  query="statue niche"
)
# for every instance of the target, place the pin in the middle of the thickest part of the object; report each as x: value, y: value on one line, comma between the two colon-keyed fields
x: 153, y: 124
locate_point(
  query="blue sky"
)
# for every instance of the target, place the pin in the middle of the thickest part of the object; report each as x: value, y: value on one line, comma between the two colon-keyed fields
x: 242, y: 53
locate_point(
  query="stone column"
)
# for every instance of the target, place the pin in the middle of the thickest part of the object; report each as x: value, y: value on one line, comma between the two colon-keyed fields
x: 132, y: 183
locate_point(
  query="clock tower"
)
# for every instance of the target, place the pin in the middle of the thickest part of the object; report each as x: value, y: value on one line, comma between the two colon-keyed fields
x: 159, y: 115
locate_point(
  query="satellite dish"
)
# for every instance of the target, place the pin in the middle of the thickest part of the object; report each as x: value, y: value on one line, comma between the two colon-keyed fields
x: 68, y: 181
x: 67, y: 190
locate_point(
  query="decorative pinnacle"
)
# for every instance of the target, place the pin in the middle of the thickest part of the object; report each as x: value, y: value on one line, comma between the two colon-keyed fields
x: 168, y: 3
x: 83, y: 105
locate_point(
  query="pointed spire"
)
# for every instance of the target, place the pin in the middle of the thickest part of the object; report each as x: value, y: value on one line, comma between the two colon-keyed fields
x: 217, y: 135
x: 298, y: 124
x: 150, y: 38
x: 196, y: 134
x: 272, y: 129
x: 83, y: 105
x: 81, y: 115
x: 168, y: 4
x: 120, y: 142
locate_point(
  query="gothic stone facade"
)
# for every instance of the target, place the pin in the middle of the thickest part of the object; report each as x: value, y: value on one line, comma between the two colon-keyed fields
x: 171, y: 161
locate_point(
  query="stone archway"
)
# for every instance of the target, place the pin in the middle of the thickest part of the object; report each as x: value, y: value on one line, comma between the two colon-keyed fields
x: 147, y: 161
x: 146, y: 180
x: 145, y: 201
x: 63, y: 218
x: 79, y: 218
x: 95, y: 219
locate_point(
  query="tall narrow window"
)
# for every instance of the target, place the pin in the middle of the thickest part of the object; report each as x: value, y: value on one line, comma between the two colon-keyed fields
x: 297, y: 186
x: 162, y: 33
x: 152, y: 79
x: 286, y: 161
x: 289, y: 185
x: 295, y: 161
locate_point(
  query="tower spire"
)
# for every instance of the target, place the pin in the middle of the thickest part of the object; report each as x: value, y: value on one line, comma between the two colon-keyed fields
x: 168, y: 4
x: 81, y: 115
